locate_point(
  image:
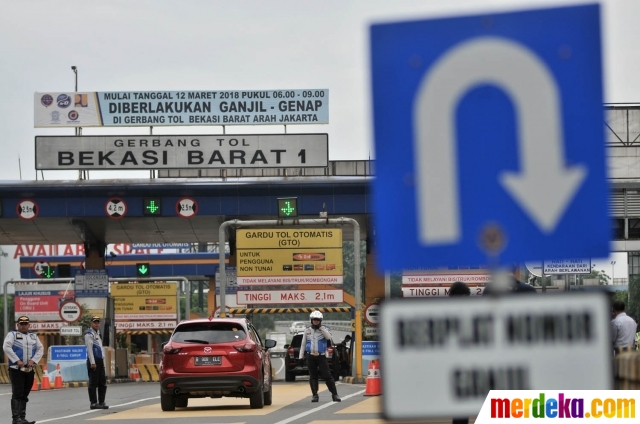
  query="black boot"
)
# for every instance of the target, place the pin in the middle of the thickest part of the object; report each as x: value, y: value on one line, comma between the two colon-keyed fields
x: 93, y: 399
x: 331, y: 385
x: 314, y: 390
x: 15, y: 411
x: 23, y: 413
x: 102, y: 393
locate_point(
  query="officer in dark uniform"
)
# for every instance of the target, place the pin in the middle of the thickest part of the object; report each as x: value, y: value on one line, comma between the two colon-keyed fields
x: 95, y: 365
x: 314, y: 344
x: 23, y: 350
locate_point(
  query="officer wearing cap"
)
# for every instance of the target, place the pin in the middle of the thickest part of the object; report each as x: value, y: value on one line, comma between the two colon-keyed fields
x: 95, y: 365
x: 23, y: 350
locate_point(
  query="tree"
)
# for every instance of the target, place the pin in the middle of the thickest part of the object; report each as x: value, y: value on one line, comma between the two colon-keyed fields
x: 633, y: 308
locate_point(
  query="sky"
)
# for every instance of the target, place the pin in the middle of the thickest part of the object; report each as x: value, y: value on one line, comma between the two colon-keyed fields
x: 233, y: 45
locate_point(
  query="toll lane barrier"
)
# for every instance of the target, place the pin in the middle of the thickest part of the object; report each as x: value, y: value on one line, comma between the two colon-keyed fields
x: 148, y: 373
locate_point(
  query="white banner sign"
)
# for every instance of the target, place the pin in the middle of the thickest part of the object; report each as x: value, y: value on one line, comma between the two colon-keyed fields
x: 145, y: 325
x: 438, y: 278
x: 263, y: 281
x: 183, y: 151
x: 466, y: 347
x: 41, y: 326
x: 68, y: 330
x: 177, y: 108
x: 567, y: 266
x: 274, y: 297
x: 431, y: 291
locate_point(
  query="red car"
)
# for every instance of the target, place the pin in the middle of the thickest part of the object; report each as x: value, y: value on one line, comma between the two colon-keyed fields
x: 215, y: 358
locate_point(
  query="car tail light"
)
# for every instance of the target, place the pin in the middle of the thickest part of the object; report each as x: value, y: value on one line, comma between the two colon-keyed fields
x: 330, y: 352
x: 291, y: 353
x: 247, y: 347
x: 171, y: 351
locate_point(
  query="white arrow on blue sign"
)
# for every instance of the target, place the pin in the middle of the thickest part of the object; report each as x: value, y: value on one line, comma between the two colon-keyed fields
x: 489, y: 139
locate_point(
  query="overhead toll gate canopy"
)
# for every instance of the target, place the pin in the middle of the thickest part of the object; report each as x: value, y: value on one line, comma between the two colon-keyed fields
x: 113, y: 211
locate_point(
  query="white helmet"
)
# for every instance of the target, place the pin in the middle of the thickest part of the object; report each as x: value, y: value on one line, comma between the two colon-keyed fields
x: 316, y: 315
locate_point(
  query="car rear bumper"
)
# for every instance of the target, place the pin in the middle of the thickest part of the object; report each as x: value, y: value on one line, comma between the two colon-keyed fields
x: 209, y: 385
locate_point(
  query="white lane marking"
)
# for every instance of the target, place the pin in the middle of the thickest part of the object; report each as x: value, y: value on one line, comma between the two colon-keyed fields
x: 5, y: 394
x: 311, y: 411
x: 281, y: 368
x: 97, y: 410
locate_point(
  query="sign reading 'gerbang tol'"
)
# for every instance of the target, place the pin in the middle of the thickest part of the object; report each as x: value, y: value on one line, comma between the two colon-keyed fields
x: 183, y: 151
x: 161, y: 108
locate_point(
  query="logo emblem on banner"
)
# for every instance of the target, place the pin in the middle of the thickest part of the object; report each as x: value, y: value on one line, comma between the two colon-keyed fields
x: 80, y: 100
x: 64, y: 101
x: 46, y: 100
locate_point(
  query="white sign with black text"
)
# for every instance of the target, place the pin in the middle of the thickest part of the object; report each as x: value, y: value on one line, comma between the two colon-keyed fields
x: 465, y: 346
x: 69, y: 330
x: 567, y: 266
x: 183, y: 151
x: 145, y: 325
x: 274, y: 297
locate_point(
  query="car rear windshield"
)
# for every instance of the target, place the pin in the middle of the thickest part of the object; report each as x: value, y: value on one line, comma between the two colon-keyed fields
x: 209, y: 333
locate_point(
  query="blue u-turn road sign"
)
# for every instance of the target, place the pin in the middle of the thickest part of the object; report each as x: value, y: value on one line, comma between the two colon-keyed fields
x: 489, y: 139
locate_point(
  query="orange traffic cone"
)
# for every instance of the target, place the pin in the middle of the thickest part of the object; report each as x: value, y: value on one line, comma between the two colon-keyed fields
x: 34, y: 386
x: 373, y: 387
x: 57, y: 382
x: 134, y: 373
x: 45, y: 385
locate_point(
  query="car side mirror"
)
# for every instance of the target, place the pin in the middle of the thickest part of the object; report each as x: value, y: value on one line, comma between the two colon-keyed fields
x: 164, y: 344
x: 268, y: 344
x: 286, y: 346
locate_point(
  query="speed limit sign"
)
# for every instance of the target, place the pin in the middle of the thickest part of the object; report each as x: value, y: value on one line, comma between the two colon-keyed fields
x: 39, y: 268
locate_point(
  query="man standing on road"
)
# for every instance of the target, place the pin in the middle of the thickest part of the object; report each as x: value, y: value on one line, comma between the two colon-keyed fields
x: 95, y: 365
x: 623, y: 327
x: 314, y: 344
x: 24, y: 351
